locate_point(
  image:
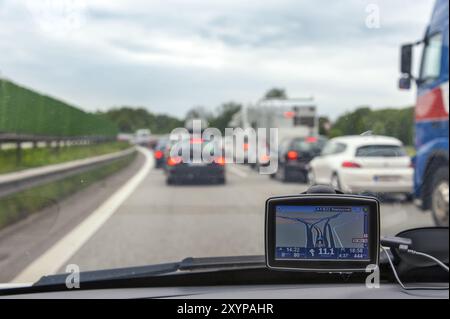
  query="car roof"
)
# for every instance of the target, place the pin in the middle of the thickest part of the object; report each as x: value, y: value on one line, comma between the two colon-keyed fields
x: 359, y: 140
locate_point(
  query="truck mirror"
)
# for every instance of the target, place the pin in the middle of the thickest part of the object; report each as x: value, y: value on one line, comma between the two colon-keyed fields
x: 404, y: 83
x: 406, y: 59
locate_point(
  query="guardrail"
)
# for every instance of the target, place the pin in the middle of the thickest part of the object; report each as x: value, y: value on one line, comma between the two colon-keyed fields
x: 21, y: 138
x: 18, y: 181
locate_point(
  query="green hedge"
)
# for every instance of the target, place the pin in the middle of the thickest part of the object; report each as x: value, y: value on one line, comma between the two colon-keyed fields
x: 23, y: 111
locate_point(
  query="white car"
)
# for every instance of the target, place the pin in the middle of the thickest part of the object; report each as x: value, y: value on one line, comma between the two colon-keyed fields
x: 142, y: 137
x: 356, y: 164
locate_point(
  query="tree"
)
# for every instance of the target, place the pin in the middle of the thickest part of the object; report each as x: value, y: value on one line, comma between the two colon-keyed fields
x: 129, y: 119
x: 397, y: 123
x: 198, y: 112
x: 379, y: 128
x: 324, y: 125
x: 275, y: 93
x: 224, y: 114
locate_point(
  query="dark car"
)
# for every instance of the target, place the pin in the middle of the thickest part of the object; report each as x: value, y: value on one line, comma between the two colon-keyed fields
x: 294, y: 156
x: 159, y: 152
x: 179, y: 170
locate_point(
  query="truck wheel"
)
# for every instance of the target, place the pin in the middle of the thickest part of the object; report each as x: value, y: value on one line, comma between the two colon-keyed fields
x: 439, y: 197
x: 409, y: 197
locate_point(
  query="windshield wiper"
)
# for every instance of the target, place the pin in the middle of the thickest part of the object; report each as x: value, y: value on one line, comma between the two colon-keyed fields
x: 112, y: 274
x: 222, y: 263
x: 187, y: 264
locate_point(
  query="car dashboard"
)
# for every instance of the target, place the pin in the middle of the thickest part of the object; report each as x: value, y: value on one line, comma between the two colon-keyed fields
x: 308, y: 291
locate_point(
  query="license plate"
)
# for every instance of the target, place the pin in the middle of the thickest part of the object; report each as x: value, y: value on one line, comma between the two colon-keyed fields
x: 197, y: 164
x: 386, y: 178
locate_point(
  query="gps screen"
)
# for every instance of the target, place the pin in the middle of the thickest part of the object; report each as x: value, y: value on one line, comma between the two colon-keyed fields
x: 322, y: 233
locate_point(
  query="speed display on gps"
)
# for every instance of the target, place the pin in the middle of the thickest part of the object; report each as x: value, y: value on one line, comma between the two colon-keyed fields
x: 322, y: 233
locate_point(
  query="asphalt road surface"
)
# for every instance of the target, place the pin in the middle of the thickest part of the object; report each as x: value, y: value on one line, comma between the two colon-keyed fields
x: 159, y: 223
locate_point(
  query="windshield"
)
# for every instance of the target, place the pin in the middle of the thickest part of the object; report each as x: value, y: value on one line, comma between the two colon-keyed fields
x: 333, y: 148
x: 381, y: 151
x: 309, y: 144
x: 145, y: 132
x: 432, y: 57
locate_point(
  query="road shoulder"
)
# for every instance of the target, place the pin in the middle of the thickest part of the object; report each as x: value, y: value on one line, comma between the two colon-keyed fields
x: 22, y: 243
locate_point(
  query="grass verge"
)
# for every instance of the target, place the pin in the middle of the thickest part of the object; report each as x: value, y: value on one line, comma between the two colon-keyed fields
x: 35, y: 157
x: 21, y: 205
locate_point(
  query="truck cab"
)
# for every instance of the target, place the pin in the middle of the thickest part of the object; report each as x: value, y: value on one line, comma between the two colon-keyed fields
x: 431, y: 188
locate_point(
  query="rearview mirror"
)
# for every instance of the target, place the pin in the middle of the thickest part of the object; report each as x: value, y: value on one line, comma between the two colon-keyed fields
x: 406, y: 59
x: 404, y: 83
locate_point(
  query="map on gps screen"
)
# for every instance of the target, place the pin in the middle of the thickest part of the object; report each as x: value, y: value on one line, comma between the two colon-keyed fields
x: 322, y: 232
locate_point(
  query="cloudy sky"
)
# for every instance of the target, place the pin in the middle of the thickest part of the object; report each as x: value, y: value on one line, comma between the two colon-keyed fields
x: 170, y: 55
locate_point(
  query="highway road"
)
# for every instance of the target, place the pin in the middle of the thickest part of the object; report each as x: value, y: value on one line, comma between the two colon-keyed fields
x: 152, y: 222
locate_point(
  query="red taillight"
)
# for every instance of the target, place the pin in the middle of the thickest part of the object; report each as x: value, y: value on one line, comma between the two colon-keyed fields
x: 350, y: 165
x: 172, y: 161
x: 311, y: 139
x: 159, y: 154
x: 195, y: 140
x: 264, y: 158
x: 292, y: 155
x: 289, y: 114
x: 220, y: 161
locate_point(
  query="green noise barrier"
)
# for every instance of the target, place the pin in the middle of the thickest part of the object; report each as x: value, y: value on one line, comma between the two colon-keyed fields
x: 23, y: 111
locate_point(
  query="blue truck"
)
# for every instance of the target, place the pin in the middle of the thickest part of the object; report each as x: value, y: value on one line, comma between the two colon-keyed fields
x: 431, y: 175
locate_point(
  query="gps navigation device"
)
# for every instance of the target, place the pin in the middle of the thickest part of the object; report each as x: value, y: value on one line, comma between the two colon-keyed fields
x: 322, y: 232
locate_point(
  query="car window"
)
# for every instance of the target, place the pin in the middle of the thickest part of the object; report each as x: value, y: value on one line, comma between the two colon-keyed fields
x: 380, y: 151
x: 191, y: 147
x: 328, y: 149
x: 162, y: 144
x: 284, y: 145
x: 301, y: 145
x: 333, y: 148
x: 311, y: 144
x: 340, y: 148
x: 432, y: 58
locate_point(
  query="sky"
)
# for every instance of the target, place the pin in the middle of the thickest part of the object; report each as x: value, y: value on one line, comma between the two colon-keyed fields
x: 171, y: 55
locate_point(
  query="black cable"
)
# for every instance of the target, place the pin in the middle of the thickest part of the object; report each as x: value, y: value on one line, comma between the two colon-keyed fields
x: 418, y: 287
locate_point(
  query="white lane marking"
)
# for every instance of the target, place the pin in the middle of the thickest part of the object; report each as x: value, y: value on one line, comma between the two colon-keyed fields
x: 236, y: 171
x: 56, y: 256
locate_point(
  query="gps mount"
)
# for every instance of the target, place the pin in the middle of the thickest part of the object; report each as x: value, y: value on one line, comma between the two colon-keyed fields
x: 322, y: 189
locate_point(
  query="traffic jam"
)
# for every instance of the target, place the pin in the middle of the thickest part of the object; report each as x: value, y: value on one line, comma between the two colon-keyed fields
x: 366, y: 163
